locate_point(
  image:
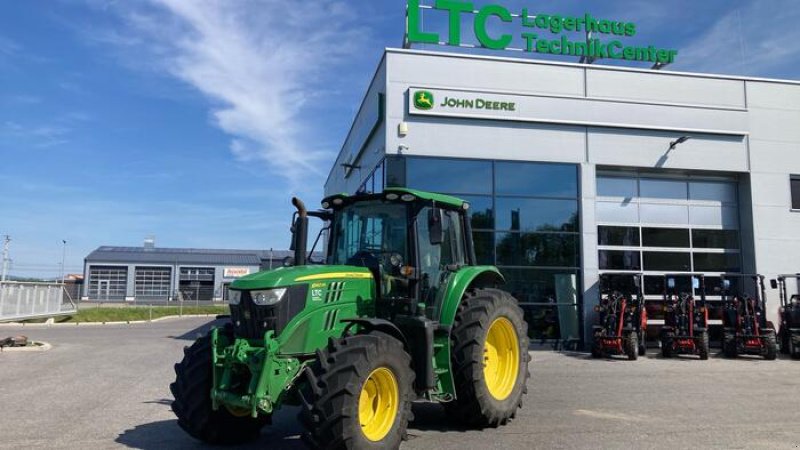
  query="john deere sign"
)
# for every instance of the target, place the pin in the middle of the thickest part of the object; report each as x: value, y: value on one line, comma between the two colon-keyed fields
x: 423, y: 100
x: 540, y: 33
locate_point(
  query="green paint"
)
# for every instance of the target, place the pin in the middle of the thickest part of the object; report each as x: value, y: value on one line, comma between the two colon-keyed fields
x: 423, y: 100
x: 455, y: 9
x: 527, y: 22
x: 480, y: 27
x: 415, y: 34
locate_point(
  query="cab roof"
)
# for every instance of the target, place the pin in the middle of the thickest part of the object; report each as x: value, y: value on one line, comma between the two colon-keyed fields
x: 441, y: 199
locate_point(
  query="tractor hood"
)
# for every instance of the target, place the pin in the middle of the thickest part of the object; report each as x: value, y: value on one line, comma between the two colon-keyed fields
x: 289, y: 276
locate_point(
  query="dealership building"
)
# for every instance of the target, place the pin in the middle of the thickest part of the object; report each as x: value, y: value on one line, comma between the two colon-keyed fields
x: 578, y: 170
x: 154, y: 274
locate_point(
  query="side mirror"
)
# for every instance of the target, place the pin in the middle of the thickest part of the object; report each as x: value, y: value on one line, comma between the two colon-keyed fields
x: 671, y: 283
x: 773, y: 284
x: 435, y: 226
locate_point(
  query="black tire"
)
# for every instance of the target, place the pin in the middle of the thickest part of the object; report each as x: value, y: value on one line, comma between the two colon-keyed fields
x: 784, y: 337
x: 703, y: 348
x: 666, y: 347
x: 597, y: 352
x: 729, y: 348
x: 642, y: 343
x: 770, y: 346
x: 474, y: 405
x: 793, y: 350
x: 632, y: 346
x: 192, y: 405
x: 332, y: 387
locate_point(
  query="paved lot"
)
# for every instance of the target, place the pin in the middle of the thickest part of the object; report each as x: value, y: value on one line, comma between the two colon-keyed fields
x: 107, y: 387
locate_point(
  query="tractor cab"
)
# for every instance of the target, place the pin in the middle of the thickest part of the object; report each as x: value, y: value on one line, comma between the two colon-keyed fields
x: 409, y: 240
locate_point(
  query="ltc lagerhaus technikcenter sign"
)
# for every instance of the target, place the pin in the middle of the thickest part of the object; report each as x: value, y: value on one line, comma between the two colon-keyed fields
x: 536, y: 32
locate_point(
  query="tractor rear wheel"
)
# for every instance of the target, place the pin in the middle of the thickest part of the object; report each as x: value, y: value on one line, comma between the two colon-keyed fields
x: 358, y: 393
x: 632, y: 346
x: 703, y: 345
x: 192, y: 405
x: 770, y: 346
x: 489, y: 351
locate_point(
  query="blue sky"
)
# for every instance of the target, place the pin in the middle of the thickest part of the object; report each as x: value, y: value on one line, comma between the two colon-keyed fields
x: 196, y: 121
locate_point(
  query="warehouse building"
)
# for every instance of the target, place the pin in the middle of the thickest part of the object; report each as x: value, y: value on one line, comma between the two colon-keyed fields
x: 151, y: 274
x: 577, y: 170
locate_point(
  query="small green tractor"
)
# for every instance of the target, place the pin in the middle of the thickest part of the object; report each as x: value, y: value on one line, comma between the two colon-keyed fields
x: 400, y: 312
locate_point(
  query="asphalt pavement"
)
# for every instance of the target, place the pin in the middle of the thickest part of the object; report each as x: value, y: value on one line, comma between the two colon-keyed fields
x: 108, y: 387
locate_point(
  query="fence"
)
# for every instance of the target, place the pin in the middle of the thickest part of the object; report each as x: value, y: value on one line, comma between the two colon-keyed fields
x: 20, y: 301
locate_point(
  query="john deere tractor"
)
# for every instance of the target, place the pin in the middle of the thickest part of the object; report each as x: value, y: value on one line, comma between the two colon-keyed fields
x: 399, y: 312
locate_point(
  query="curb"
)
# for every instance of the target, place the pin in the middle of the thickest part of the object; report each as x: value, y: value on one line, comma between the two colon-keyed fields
x: 41, y: 347
x: 73, y: 324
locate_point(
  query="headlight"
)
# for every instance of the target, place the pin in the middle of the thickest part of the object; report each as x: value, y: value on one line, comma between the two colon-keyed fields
x: 234, y: 297
x: 268, y: 297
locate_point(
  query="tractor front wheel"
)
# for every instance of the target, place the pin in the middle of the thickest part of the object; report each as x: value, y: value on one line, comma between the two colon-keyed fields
x: 192, y: 405
x: 489, y: 351
x: 358, y: 393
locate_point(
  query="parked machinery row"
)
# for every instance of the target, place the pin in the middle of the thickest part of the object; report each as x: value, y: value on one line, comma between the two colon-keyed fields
x: 740, y: 301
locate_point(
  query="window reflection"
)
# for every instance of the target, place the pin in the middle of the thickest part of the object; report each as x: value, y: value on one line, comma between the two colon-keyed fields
x: 536, y: 179
x: 450, y: 175
x: 524, y: 214
x: 536, y: 249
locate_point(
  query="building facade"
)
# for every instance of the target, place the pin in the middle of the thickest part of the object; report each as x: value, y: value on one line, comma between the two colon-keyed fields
x: 150, y: 274
x: 574, y: 171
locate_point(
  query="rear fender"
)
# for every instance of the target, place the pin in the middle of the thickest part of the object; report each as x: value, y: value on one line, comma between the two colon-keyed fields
x: 457, y: 285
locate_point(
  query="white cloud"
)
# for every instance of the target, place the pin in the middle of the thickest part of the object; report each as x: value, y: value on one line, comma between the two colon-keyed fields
x: 752, y: 40
x: 262, y: 64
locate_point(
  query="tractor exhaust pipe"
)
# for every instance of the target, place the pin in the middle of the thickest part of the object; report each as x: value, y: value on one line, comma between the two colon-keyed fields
x: 300, y: 231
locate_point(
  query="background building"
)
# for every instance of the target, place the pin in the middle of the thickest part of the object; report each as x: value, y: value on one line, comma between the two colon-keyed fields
x: 162, y: 274
x: 576, y: 170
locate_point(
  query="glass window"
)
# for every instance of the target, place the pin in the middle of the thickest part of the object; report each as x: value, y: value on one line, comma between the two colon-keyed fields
x: 618, y: 212
x: 541, y: 285
x: 484, y: 247
x: 480, y: 211
x: 521, y: 214
x: 536, y: 249
x: 434, y: 258
x: 617, y: 187
x: 152, y: 281
x: 715, y: 216
x: 717, y: 262
x: 715, y: 239
x: 620, y: 260
x: 674, y: 261
x: 536, y: 179
x: 795, y: 192
x: 714, y: 191
x: 456, y: 176
x: 663, y: 189
x: 623, y: 236
x: 665, y: 237
x: 661, y: 214
x: 395, y: 171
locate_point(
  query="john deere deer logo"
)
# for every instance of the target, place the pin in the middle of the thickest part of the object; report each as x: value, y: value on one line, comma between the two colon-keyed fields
x: 423, y: 100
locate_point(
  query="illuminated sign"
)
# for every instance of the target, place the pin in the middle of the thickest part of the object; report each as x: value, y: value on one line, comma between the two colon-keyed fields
x: 235, y: 272
x: 536, y: 32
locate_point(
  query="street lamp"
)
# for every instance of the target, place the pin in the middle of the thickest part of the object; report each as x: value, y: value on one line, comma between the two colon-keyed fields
x: 63, y: 257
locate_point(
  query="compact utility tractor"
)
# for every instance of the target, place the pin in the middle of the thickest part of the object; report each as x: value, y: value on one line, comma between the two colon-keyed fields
x: 399, y: 312
x: 685, y: 329
x: 746, y: 330
x: 623, y: 317
x: 790, y: 314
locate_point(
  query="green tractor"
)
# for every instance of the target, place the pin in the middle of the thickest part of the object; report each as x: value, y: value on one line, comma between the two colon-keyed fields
x: 400, y: 312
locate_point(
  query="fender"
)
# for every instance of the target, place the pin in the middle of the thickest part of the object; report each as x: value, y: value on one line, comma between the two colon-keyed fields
x: 382, y: 325
x: 459, y: 282
x: 457, y: 285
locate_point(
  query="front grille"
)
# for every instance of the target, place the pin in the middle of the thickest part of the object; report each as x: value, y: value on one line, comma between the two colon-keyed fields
x: 251, y: 321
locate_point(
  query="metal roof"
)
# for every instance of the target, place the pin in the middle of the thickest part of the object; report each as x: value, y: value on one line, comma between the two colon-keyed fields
x: 183, y: 256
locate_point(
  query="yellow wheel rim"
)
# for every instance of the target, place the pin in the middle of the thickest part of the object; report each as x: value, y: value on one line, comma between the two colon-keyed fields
x: 501, y: 358
x: 378, y: 404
